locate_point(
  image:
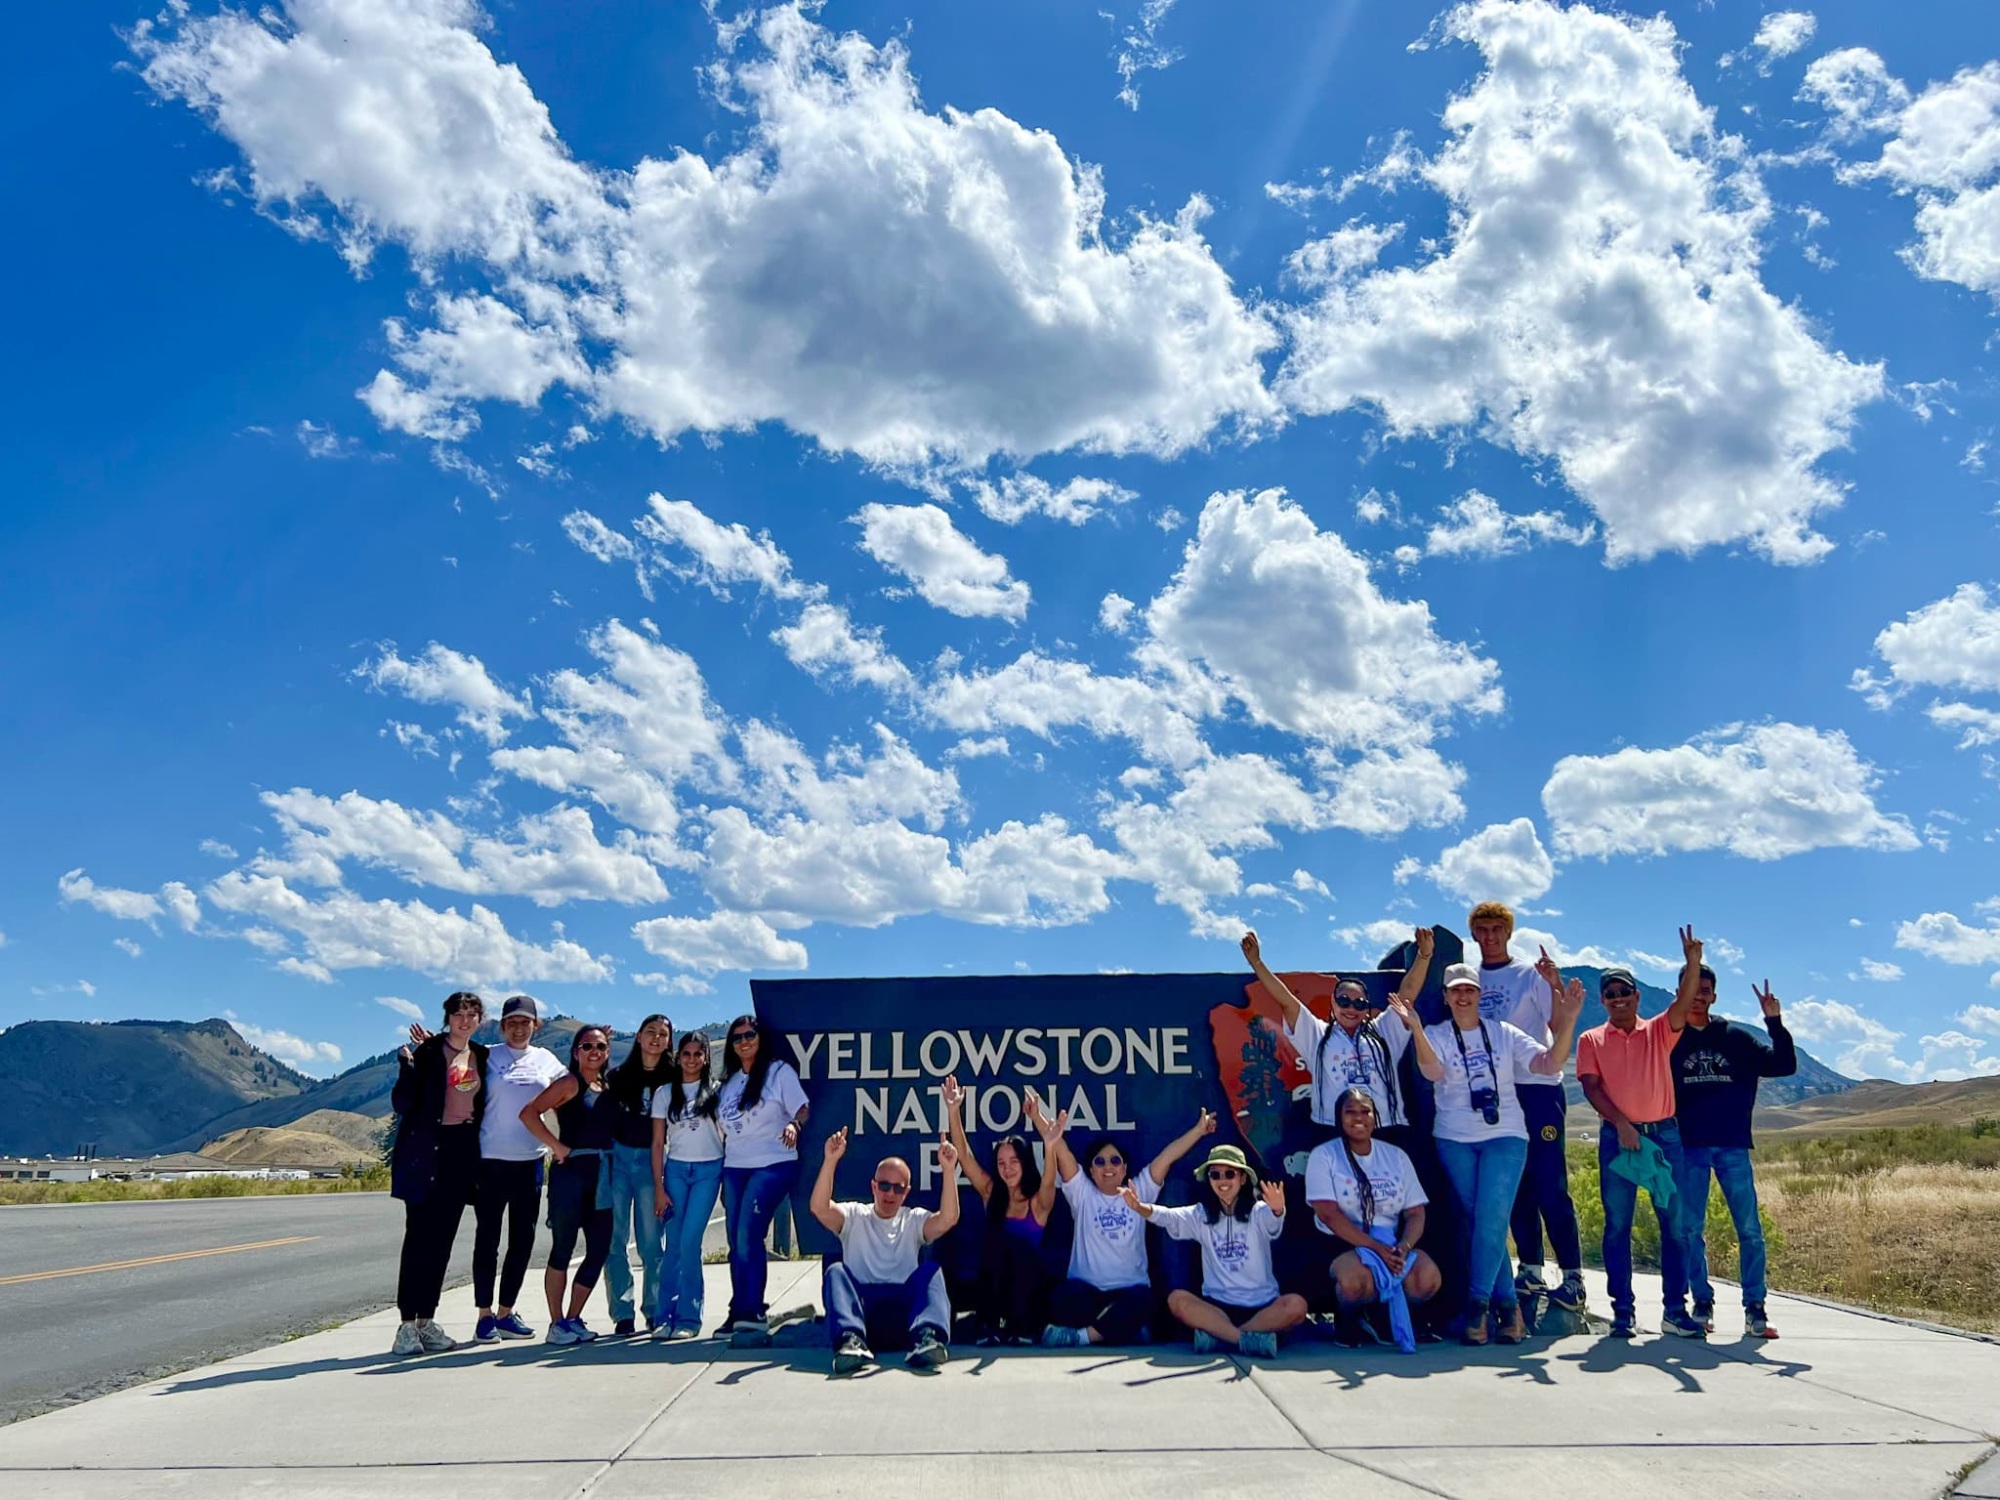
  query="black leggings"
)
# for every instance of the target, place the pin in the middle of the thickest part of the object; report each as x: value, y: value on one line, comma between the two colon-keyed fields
x: 510, y: 1190
x: 1543, y: 1197
x: 1118, y: 1316
x: 431, y: 1226
x: 1013, y: 1285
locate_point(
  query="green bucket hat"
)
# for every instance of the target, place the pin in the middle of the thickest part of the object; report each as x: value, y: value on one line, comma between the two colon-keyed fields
x: 1229, y: 1156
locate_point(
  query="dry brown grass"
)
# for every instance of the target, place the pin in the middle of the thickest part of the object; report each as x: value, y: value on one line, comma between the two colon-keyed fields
x: 1919, y: 1240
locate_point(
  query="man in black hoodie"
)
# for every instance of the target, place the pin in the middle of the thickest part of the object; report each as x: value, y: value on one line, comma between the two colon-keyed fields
x: 1717, y: 1064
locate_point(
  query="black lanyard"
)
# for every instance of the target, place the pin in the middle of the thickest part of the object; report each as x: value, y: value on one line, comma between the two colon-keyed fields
x: 1492, y: 1065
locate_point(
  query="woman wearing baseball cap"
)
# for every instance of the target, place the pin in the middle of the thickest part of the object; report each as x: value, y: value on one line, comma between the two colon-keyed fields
x: 1234, y: 1223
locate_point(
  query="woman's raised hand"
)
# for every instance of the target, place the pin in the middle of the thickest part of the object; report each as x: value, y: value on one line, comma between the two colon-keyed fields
x: 1130, y: 1196
x: 1274, y: 1196
x: 954, y: 1096
x: 1251, y: 950
x: 1205, y: 1124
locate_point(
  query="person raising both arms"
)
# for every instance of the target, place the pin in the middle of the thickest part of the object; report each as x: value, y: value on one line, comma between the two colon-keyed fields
x: 1516, y: 992
x: 439, y: 1097
x: 687, y: 1177
x: 762, y: 1108
x: 882, y: 1293
x: 1717, y: 1063
x: 1108, y: 1298
x: 1354, y: 1050
x: 1019, y: 1197
x: 1364, y: 1192
x: 1482, y: 1138
x: 580, y: 1181
x: 1234, y: 1223
x: 632, y: 1084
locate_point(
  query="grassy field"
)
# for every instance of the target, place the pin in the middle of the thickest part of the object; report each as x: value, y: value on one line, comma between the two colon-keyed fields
x: 1905, y: 1220
x: 373, y: 1180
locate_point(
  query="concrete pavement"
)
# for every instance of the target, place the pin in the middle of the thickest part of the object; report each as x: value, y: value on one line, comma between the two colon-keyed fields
x: 1842, y: 1405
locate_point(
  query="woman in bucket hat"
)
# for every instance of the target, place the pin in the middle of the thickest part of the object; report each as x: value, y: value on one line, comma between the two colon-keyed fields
x: 1234, y: 1223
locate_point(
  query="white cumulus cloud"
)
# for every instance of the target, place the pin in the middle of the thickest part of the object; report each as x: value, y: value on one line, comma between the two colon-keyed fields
x: 1501, y: 862
x: 948, y: 568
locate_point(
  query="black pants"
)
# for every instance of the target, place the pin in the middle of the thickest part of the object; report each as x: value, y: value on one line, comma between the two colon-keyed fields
x: 431, y: 1226
x: 1013, y: 1286
x: 1543, y: 1197
x: 510, y: 1190
x: 1118, y: 1316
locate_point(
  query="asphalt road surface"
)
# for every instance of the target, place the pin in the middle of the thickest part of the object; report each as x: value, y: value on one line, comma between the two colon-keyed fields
x: 95, y: 1296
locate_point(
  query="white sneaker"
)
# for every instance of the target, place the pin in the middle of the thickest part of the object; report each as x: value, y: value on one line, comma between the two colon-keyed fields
x: 434, y: 1339
x: 583, y: 1331
x: 660, y: 1333
x: 408, y: 1340
x: 560, y: 1332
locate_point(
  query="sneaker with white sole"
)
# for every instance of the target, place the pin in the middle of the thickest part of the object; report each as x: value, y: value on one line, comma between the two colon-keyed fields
x: 1528, y: 1282
x: 1261, y: 1344
x: 1569, y: 1295
x: 512, y: 1326
x: 750, y: 1333
x: 407, y: 1341
x: 929, y: 1352
x: 1681, y: 1326
x: 560, y: 1332
x: 853, y: 1355
x: 661, y: 1332
x: 486, y: 1330
x: 1704, y: 1314
x: 583, y: 1331
x: 1756, y: 1325
x: 1056, y: 1337
x: 687, y: 1331
x: 434, y: 1339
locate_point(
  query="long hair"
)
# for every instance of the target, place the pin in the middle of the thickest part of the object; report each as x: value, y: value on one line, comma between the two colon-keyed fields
x: 769, y: 1042
x: 679, y: 1104
x: 1379, y: 1043
x: 1361, y: 1182
x: 997, y: 1201
x: 1246, y: 1200
x: 603, y: 1077
x: 632, y: 1073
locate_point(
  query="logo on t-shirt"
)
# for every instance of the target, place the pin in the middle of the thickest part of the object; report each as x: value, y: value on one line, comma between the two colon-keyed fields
x: 1232, y: 1251
x: 1113, y: 1220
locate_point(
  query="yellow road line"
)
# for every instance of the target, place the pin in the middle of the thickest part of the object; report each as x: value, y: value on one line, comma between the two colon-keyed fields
x: 155, y: 1260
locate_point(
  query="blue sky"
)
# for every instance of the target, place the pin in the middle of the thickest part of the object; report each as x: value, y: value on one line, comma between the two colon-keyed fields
x: 611, y: 499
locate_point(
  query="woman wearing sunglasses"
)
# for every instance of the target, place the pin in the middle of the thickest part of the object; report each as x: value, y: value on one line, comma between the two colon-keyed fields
x: 1364, y: 1192
x: 1482, y: 1136
x: 687, y: 1177
x: 762, y: 1108
x: 1108, y: 1298
x: 1234, y: 1223
x: 1013, y: 1281
x: 434, y: 1167
x: 580, y: 1181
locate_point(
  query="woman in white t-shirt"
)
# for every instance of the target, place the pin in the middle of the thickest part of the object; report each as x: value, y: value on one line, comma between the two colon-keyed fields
x: 687, y: 1177
x: 1364, y: 1193
x: 1108, y: 1297
x: 762, y: 1107
x: 1482, y: 1139
x: 1234, y: 1223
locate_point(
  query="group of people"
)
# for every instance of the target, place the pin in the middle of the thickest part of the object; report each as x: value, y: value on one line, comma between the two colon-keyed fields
x: 639, y: 1151
x: 1482, y: 1138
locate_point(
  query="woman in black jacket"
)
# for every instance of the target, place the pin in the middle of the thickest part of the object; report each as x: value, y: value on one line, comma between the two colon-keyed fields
x: 439, y: 1099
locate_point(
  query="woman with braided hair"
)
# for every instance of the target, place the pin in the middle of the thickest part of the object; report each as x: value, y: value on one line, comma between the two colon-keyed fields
x: 1355, y: 1050
x: 1364, y: 1192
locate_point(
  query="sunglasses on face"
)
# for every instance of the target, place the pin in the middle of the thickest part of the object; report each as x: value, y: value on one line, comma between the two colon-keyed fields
x: 1618, y: 991
x: 1107, y: 1161
x: 593, y: 1046
x: 1351, y: 1002
x: 891, y: 1187
x: 1223, y: 1174
x: 743, y: 1036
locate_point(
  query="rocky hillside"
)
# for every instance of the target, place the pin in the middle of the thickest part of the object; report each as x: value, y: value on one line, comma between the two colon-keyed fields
x: 128, y: 1087
x: 323, y: 1138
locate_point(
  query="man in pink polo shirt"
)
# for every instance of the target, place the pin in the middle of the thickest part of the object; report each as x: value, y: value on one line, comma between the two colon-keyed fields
x: 1626, y: 1067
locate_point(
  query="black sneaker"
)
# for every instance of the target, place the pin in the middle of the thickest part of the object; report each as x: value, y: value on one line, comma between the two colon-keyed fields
x: 852, y: 1355
x: 1704, y: 1314
x: 622, y: 1329
x: 1624, y: 1326
x: 929, y: 1352
x: 1756, y: 1323
x: 1569, y: 1296
x: 1681, y: 1326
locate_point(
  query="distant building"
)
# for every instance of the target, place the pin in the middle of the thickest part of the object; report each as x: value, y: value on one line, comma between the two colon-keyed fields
x: 179, y: 1167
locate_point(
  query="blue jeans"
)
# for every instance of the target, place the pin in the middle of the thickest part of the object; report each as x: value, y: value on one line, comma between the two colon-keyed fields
x: 692, y: 1187
x: 632, y: 1214
x: 750, y: 1199
x: 1485, y: 1175
x: 886, y: 1314
x: 1731, y: 1166
x: 1620, y: 1196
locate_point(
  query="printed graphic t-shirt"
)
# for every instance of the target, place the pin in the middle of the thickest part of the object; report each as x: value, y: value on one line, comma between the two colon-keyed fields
x: 1513, y: 992
x: 691, y: 1137
x: 1338, y: 1062
x: 1109, y: 1250
x: 514, y: 1076
x: 1514, y: 1053
x: 1235, y: 1256
x: 752, y: 1137
x: 1330, y: 1179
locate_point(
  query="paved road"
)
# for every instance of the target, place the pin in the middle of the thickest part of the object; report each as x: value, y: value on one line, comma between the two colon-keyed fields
x: 320, y: 1260
x: 275, y: 1268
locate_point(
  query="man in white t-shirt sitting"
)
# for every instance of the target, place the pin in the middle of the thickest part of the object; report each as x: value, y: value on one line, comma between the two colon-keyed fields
x: 881, y: 1290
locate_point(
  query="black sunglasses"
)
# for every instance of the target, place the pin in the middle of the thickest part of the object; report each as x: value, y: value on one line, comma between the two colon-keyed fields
x: 1107, y: 1161
x: 744, y: 1036
x: 1617, y: 991
x: 891, y: 1187
x: 1351, y: 1002
x: 593, y: 1046
x: 1222, y: 1174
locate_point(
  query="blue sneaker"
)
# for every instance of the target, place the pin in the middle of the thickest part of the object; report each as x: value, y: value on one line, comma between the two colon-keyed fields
x: 1055, y: 1337
x: 488, y: 1329
x: 1262, y: 1344
x: 1679, y: 1325
x: 511, y: 1327
x: 582, y: 1331
x: 1204, y: 1341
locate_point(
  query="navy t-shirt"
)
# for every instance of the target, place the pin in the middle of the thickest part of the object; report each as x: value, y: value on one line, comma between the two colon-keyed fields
x: 1716, y: 1068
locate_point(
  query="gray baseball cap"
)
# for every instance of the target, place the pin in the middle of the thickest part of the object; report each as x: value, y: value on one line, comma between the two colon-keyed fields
x: 1462, y: 974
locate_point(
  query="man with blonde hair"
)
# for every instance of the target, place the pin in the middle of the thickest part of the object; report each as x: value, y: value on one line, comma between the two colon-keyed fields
x: 1512, y: 991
